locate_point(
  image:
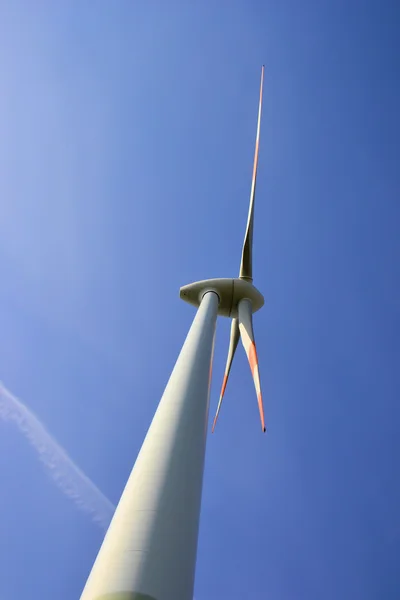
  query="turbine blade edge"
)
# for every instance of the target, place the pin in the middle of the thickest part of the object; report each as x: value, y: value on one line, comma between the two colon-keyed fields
x: 246, y: 264
x: 233, y: 343
x: 247, y: 337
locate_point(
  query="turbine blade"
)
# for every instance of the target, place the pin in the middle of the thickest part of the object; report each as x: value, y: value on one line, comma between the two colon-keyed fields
x: 233, y: 342
x: 247, y: 336
x: 246, y: 265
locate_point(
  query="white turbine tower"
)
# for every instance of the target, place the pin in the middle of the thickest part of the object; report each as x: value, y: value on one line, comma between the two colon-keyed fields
x: 149, y: 551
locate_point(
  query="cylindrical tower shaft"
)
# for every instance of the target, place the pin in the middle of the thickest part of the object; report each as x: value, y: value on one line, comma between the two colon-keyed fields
x: 149, y: 552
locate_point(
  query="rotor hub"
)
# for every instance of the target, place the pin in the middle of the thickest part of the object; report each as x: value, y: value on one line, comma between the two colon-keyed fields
x: 229, y: 291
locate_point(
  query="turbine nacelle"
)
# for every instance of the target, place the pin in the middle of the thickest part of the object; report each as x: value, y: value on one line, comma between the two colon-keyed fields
x: 229, y: 291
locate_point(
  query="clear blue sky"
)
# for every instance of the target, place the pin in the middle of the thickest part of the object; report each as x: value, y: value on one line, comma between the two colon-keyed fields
x: 127, y: 135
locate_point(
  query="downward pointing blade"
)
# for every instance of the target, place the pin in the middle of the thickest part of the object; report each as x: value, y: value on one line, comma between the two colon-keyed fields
x: 247, y: 336
x: 246, y: 265
x: 233, y: 342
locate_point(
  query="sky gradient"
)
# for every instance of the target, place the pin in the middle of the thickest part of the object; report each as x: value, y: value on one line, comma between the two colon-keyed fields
x: 128, y: 136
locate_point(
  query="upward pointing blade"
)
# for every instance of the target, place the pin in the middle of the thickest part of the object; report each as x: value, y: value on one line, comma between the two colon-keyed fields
x: 246, y: 265
x: 247, y: 336
x: 233, y: 342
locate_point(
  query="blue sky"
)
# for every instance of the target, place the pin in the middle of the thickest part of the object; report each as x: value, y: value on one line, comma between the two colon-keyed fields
x: 127, y: 144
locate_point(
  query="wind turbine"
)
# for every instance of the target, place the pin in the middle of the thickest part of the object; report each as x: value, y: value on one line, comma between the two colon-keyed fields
x: 149, y: 551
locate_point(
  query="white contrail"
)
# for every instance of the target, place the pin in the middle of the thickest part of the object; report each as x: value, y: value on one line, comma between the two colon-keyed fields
x: 69, y: 478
